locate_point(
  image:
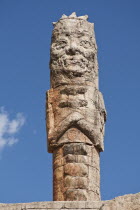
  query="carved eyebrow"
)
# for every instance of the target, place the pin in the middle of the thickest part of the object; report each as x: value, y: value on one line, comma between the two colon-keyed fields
x: 84, y: 36
x: 71, y: 34
x: 86, y: 40
x: 61, y: 40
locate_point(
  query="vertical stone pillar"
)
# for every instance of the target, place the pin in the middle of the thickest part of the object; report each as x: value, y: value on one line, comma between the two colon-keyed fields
x: 76, y: 172
x: 75, y: 111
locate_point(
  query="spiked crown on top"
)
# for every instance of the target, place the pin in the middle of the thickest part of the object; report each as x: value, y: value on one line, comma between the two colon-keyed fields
x: 72, y: 16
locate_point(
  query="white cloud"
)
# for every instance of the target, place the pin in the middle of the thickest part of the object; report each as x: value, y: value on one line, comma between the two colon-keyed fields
x: 9, y: 128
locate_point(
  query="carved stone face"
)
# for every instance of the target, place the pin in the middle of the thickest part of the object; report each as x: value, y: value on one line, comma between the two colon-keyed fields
x: 73, y: 46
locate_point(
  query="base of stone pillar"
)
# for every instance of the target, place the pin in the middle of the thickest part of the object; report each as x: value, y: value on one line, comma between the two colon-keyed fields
x: 126, y: 202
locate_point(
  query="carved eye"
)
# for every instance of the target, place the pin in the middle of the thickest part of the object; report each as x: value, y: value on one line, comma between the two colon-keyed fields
x: 85, y: 43
x: 60, y: 44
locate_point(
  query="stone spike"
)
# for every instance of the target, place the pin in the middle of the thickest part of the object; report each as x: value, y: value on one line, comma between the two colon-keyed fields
x: 54, y: 23
x: 85, y: 17
x: 73, y: 15
x: 64, y: 16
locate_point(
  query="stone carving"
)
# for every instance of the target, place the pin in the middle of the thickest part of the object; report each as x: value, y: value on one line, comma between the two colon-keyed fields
x: 75, y: 110
x: 75, y: 123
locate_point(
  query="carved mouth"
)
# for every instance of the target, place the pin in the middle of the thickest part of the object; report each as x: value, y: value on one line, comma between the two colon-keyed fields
x: 82, y: 63
x: 71, y: 63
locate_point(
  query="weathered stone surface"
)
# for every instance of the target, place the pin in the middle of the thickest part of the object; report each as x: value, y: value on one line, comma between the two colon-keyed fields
x: 75, y: 111
x: 126, y: 202
x: 74, y: 98
x: 76, y: 182
x: 76, y: 172
x: 76, y: 169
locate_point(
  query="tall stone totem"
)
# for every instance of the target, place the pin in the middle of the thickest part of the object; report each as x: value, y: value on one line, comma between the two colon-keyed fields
x: 75, y: 111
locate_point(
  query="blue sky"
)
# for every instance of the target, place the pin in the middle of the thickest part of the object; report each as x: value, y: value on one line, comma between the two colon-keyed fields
x: 25, y: 34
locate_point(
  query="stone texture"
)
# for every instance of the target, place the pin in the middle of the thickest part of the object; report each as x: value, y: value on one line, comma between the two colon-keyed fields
x: 76, y: 172
x: 75, y: 111
x: 126, y: 202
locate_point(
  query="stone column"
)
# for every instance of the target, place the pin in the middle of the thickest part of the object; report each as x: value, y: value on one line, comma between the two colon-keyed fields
x: 75, y: 111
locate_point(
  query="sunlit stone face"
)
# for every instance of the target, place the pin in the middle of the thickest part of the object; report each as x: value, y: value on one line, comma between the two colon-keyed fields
x: 73, y: 46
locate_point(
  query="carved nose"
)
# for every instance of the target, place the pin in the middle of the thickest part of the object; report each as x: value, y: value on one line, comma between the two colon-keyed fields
x: 72, y: 49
